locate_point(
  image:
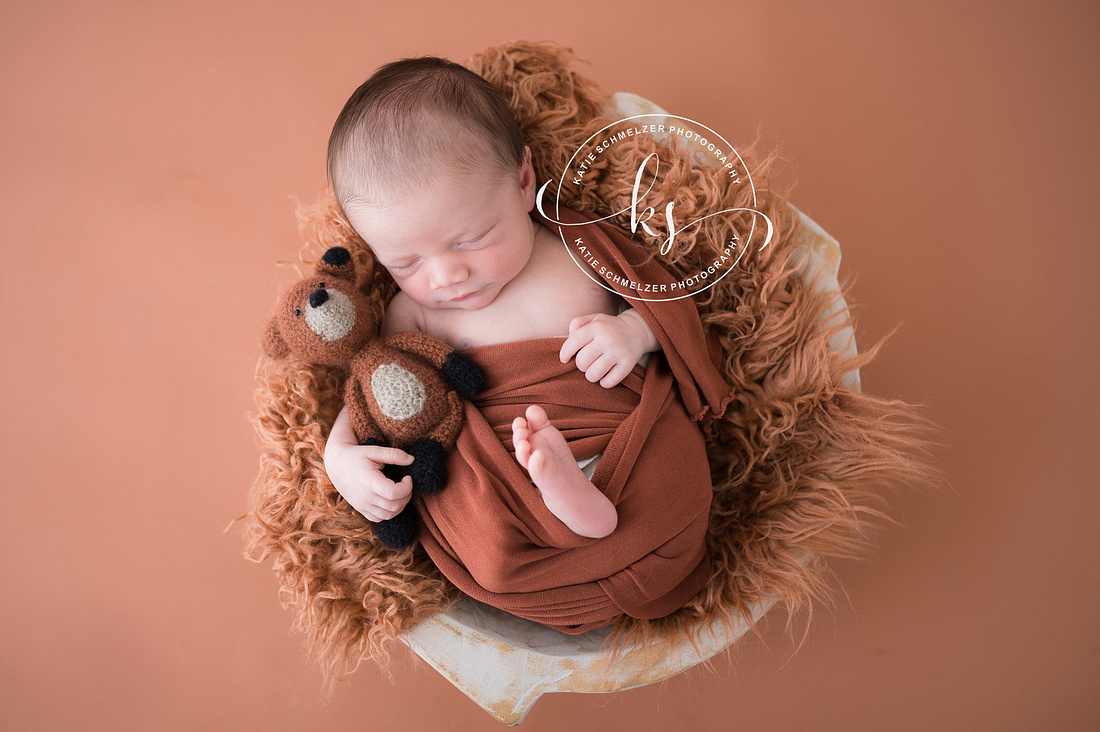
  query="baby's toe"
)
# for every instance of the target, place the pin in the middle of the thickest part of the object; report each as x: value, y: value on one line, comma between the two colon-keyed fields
x: 536, y: 466
x: 536, y: 417
x: 523, y: 451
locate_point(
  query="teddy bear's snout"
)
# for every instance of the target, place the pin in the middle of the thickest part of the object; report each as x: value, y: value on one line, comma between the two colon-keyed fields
x: 331, y: 313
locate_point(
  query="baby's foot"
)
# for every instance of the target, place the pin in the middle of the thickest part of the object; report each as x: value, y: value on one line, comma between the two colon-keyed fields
x: 541, y: 449
x: 569, y: 495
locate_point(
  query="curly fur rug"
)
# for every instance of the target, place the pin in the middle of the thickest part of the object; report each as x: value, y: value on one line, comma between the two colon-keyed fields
x: 797, y: 463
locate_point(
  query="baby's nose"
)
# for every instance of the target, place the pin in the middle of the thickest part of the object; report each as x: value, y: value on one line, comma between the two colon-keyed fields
x: 446, y: 274
x: 317, y: 298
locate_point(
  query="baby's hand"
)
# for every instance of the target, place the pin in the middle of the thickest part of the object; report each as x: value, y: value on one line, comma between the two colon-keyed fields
x: 608, y: 346
x: 356, y: 472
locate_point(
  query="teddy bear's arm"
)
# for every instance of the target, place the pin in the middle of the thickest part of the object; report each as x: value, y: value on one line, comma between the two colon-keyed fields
x: 463, y: 374
x: 361, y: 421
x: 432, y: 350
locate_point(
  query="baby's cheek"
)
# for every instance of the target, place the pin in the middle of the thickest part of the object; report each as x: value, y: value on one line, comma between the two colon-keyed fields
x: 416, y: 291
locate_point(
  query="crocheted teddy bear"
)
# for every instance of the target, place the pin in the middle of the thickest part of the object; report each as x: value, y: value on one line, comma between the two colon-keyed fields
x: 401, y: 389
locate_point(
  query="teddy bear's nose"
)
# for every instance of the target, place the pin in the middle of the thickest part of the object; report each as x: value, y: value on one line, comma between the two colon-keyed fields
x: 317, y: 298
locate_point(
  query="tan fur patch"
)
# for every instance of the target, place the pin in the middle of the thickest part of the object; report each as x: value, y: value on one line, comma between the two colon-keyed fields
x: 400, y: 395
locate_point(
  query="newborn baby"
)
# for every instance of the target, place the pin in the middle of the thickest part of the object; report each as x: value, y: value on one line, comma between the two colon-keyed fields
x: 444, y: 203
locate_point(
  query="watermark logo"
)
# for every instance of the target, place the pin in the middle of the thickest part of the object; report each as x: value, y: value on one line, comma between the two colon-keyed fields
x: 650, y: 229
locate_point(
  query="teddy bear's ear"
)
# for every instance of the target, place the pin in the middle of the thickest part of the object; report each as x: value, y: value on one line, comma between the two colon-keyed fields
x: 337, y: 262
x: 274, y: 345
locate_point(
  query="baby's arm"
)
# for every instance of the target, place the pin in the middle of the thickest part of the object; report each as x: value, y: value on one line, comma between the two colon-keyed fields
x: 608, y: 346
x: 356, y: 472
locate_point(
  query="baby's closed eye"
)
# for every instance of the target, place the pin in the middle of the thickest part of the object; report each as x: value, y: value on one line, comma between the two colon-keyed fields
x: 474, y: 244
x: 404, y: 268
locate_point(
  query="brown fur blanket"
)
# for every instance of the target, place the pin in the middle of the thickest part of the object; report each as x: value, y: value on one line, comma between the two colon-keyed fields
x: 797, y: 460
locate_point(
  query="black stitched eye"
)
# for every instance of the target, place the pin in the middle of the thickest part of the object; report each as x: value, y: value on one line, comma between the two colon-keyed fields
x: 297, y: 312
x: 321, y: 285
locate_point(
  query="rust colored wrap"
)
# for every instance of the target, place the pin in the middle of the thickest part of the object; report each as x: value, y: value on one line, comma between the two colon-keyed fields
x: 491, y: 534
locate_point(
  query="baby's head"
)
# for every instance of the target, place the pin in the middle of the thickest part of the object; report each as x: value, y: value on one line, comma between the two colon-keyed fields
x: 429, y: 166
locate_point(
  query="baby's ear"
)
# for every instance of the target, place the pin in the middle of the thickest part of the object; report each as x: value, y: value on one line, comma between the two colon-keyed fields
x: 274, y: 344
x: 337, y: 262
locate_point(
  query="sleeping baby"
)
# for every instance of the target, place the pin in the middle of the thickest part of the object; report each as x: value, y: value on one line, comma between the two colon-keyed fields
x: 473, y: 268
x: 429, y: 167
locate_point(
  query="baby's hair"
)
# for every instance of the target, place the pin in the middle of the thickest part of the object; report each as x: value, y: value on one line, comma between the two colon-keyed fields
x: 414, y: 119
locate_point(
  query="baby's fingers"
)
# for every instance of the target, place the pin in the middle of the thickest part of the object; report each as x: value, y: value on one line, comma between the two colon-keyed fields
x: 599, y: 368
x: 384, y: 510
x: 615, y: 375
x: 580, y: 321
x: 386, y: 455
x: 579, y: 337
x: 384, y: 489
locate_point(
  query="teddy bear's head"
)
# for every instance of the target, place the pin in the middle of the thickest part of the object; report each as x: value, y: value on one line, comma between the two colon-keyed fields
x: 323, y: 318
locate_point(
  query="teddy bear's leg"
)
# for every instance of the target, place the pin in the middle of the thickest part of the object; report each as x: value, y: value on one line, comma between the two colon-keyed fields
x: 446, y: 432
x: 399, y: 531
x: 429, y: 466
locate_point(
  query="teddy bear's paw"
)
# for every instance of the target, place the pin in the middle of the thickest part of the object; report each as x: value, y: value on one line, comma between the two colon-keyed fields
x: 464, y: 374
x: 399, y: 531
x: 429, y: 466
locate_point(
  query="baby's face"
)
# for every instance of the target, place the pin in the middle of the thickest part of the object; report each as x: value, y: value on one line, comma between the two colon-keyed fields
x: 457, y: 244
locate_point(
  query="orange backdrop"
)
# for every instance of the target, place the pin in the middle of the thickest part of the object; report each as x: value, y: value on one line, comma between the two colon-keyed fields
x: 152, y: 154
